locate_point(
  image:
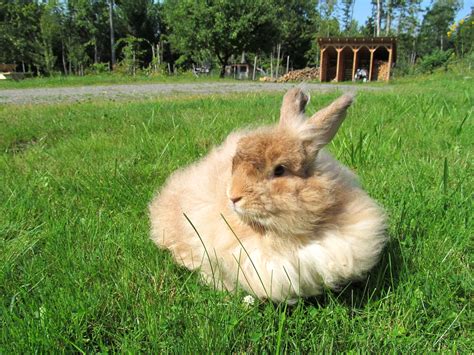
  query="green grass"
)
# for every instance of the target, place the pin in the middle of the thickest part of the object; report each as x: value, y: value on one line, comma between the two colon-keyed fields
x: 78, y: 272
x: 113, y: 79
x: 104, y: 79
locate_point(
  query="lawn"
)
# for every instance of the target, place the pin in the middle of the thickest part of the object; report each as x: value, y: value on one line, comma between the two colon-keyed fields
x: 104, y: 79
x: 79, y: 273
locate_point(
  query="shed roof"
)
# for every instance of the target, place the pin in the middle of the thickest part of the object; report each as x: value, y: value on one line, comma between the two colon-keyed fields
x: 360, y: 41
x: 357, y: 40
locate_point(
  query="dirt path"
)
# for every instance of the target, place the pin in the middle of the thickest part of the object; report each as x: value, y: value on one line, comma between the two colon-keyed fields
x: 114, y: 92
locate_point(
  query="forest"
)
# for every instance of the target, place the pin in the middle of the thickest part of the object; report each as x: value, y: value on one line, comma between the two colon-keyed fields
x: 78, y: 37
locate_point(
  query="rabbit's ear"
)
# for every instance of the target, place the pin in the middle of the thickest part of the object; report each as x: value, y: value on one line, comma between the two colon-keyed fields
x: 327, y: 121
x: 293, y: 106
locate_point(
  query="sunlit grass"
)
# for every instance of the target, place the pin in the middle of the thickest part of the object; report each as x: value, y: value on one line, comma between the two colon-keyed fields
x: 78, y: 272
x: 105, y: 79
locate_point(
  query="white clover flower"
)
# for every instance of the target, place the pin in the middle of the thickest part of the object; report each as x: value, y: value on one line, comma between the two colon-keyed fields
x: 248, y: 300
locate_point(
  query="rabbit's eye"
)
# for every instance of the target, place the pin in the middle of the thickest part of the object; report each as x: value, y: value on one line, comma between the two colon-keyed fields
x: 279, y: 171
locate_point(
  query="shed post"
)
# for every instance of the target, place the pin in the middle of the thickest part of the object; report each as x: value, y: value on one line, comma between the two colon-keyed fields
x: 339, y: 73
x: 322, y: 66
x: 390, y: 58
x: 371, y: 68
x: 355, y: 64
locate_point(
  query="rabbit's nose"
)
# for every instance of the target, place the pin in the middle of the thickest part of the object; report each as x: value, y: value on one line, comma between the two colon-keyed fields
x: 235, y: 199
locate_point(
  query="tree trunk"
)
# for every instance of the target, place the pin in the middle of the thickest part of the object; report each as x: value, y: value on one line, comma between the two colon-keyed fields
x: 278, y: 61
x: 133, y: 64
x: 413, y: 53
x: 400, y: 20
x: 223, y: 61
x: 162, y: 51
x: 352, y: 12
x: 379, y: 10
x: 389, y: 18
x: 48, y: 57
x: 153, y: 58
x: 271, y: 64
x: 112, y: 38
x: 96, y: 54
x: 222, y: 73
x: 158, y: 55
x: 63, y: 58
x: 254, y: 67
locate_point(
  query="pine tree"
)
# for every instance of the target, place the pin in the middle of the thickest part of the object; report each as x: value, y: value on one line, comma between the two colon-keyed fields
x: 347, y: 10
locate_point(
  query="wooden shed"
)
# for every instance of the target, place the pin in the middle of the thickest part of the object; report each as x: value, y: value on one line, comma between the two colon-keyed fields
x: 342, y: 57
x: 239, y: 71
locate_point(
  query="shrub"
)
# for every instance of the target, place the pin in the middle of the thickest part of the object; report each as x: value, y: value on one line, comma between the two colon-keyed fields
x: 99, y: 68
x: 435, y: 60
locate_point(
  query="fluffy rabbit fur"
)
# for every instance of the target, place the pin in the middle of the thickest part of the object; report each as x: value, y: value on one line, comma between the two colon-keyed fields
x: 271, y: 211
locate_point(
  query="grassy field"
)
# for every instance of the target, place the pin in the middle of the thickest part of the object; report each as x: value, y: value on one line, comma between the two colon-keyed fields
x: 118, y: 79
x: 79, y: 273
x: 104, y: 79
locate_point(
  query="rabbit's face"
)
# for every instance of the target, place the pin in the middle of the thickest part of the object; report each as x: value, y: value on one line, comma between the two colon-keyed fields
x: 273, y: 184
x: 266, y: 165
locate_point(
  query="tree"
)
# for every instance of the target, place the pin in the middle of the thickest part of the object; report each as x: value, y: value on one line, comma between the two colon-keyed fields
x: 71, y: 34
x: 18, y: 31
x: 378, y: 21
x: 223, y: 27
x: 298, y: 20
x: 49, y: 31
x: 462, y: 35
x: 93, y: 16
x: 435, y: 26
x: 347, y: 10
x: 142, y: 20
x: 131, y: 53
x: 408, y: 28
x: 389, y: 13
x: 368, y: 29
x: 112, y: 33
x: 327, y: 9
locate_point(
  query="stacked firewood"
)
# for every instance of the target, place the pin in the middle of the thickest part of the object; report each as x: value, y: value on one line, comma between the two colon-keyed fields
x: 382, y: 71
x: 306, y: 74
x: 7, y: 68
x: 267, y: 79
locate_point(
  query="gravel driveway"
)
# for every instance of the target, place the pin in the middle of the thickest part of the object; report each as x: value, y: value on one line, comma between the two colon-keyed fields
x: 113, y: 92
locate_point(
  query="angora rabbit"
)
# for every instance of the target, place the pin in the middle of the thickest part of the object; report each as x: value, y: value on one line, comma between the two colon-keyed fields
x: 271, y: 211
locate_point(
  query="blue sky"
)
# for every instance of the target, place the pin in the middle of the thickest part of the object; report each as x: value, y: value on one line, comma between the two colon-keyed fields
x: 362, y: 9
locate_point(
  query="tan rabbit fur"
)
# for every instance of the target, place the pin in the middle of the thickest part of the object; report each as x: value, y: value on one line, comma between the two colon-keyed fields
x: 271, y: 211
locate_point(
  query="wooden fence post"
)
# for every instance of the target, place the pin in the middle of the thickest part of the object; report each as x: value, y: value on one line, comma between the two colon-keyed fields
x: 271, y: 64
x: 254, y: 67
x: 278, y: 61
